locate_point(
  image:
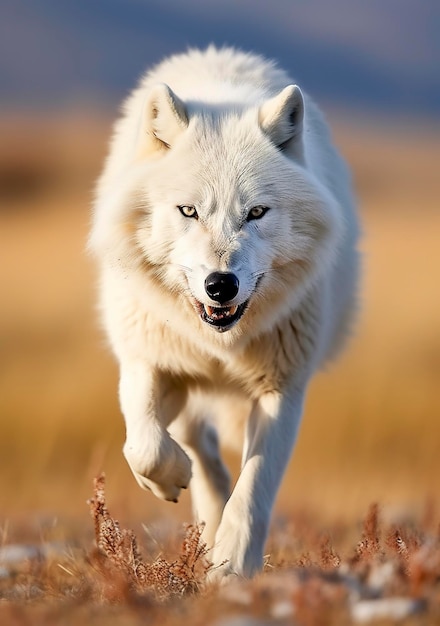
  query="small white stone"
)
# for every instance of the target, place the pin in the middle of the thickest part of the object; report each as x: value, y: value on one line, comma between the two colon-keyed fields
x: 282, y: 609
x: 380, y: 575
x: 15, y: 553
x: 237, y: 594
x: 392, y: 608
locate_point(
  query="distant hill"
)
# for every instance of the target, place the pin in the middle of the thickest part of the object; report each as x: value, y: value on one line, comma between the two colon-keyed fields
x: 358, y: 54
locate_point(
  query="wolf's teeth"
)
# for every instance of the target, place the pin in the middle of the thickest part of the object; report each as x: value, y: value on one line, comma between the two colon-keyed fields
x: 219, y: 312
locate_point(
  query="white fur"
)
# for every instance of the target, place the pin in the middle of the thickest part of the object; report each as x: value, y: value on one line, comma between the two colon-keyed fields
x: 223, y: 132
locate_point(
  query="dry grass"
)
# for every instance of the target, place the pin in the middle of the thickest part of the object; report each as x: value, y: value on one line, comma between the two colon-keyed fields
x: 180, y: 577
x: 371, y: 428
x: 391, y: 573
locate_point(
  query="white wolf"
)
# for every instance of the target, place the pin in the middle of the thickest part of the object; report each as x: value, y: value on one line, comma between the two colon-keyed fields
x: 225, y: 233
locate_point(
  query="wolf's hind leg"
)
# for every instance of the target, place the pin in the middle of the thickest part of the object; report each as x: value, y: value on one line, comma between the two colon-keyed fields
x: 210, y: 482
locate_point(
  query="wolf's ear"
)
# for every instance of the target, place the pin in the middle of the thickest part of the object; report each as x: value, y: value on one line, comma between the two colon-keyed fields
x: 163, y: 119
x: 281, y: 117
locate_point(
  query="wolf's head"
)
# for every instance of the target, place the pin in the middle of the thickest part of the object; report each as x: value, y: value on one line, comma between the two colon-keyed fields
x: 229, y: 215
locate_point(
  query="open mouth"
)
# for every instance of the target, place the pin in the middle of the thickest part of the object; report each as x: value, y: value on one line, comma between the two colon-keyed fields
x: 221, y: 318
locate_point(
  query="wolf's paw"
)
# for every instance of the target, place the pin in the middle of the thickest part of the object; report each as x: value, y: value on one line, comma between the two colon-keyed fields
x: 228, y: 568
x: 238, y: 550
x: 159, y: 464
x: 222, y: 574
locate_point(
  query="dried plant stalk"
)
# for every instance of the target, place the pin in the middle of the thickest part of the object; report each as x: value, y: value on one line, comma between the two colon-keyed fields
x: 182, y: 576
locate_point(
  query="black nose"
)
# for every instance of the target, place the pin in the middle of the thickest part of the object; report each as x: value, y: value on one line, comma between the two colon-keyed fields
x: 221, y: 286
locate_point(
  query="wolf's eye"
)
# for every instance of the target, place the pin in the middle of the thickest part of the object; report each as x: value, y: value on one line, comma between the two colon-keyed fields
x: 188, y: 211
x: 257, y: 212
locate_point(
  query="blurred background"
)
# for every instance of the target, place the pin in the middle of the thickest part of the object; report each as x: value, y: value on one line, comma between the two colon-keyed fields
x: 372, y: 424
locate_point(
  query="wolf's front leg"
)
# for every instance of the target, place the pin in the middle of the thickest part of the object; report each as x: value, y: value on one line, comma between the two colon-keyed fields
x: 156, y: 460
x: 270, y: 437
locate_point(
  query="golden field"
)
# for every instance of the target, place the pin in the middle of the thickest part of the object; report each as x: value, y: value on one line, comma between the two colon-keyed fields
x: 371, y: 431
